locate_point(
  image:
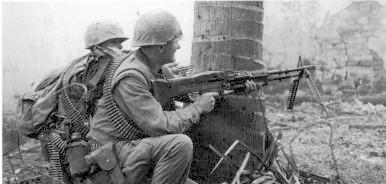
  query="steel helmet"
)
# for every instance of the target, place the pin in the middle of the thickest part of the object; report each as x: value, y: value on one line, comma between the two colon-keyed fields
x: 156, y: 28
x: 98, y: 32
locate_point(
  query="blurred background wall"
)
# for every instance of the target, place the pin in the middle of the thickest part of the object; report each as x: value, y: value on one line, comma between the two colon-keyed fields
x: 346, y: 38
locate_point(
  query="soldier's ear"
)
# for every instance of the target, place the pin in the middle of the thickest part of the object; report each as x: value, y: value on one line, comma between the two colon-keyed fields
x: 161, y: 48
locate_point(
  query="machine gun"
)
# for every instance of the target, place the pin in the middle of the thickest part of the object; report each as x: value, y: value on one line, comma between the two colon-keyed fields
x: 230, y: 81
x: 221, y: 81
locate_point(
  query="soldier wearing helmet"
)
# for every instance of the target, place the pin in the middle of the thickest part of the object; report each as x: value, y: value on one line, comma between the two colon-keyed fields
x: 90, y: 69
x: 83, y: 80
x: 160, y: 149
x: 87, y: 72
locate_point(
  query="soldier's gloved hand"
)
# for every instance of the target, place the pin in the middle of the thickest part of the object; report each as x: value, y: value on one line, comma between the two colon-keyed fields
x: 251, y: 86
x: 205, y: 102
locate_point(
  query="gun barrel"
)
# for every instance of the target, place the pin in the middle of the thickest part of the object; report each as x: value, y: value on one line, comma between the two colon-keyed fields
x: 281, y: 77
x: 307, y: 67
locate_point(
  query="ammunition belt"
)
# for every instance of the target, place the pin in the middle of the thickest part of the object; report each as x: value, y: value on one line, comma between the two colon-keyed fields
x: 124, y: 126
x: 55, y: 146
x: 57, y: 143
x: 72, y: 113
x: 94, y: 145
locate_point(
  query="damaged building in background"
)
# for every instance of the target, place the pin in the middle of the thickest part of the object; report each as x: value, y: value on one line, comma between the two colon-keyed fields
x: 351, y: 45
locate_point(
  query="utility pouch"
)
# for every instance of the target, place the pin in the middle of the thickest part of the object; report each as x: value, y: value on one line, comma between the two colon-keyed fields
x: 44, y: 145
x: 105, y: 157
x: 75, y: 155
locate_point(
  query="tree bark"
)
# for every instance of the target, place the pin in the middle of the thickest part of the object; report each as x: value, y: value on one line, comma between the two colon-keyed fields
x: 228, y: 35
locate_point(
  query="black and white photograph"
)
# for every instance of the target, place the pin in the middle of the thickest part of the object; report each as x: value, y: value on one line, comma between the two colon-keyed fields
x: 193, y: 92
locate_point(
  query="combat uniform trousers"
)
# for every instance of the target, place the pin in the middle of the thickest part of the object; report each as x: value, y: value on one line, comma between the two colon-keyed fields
x: 167, y: 157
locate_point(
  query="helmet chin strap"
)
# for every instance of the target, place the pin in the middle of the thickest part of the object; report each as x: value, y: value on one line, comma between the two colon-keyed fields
x: 97, y: 50
x: 145, y: 56
x: 110, y: 51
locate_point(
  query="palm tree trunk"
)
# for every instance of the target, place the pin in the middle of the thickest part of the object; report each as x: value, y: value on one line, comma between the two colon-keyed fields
x: 228, y: 35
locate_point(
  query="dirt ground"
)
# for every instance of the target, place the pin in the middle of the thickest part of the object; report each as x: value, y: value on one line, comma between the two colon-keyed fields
x: 350, y: 145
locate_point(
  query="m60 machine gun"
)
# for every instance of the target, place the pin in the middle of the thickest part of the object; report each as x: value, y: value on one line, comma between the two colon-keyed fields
x: 230, y: 81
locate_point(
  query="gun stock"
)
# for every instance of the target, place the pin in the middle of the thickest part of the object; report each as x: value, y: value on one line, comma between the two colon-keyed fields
x: 164, y: 89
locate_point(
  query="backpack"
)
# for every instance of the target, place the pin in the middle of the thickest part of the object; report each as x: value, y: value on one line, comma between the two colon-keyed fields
x: 36, y: 107
x: 37, y: 111
x: 42, y: 110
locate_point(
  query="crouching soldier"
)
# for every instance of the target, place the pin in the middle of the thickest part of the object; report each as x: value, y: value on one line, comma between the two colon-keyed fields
x: 58, y: 111
x: 104, y: 40
x: 148, y: 140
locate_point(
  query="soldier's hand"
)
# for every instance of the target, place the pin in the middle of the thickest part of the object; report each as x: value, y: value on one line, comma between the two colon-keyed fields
x: 205, y: 102
x: 170, y: 70
x: 174, y: 68
x: 251, y: 86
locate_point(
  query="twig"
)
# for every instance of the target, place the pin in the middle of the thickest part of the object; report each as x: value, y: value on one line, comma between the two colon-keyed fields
x: 13, y: 170
x: 292, y: 140
x: 18, y: 146
x: 224, y: 157
x: 332, y: 152
x: 225, y: 154
x: 236, y: 179
x: 330, y: 145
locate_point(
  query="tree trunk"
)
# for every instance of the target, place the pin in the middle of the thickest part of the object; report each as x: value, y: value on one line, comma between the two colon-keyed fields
x: 228, y: 35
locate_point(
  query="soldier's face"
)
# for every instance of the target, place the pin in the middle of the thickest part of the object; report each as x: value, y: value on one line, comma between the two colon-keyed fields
x: 169, y: 51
